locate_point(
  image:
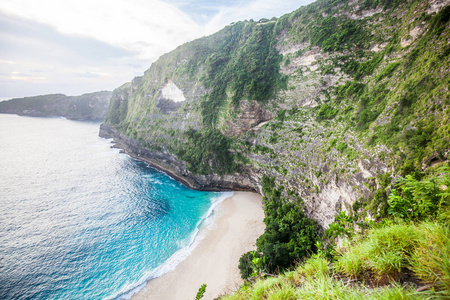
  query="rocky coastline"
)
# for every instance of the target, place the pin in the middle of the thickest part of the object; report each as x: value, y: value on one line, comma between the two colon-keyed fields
x: 168, y: 163
x: 322, y: 207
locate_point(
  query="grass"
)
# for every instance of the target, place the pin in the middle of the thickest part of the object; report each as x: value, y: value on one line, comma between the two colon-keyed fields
x: 315, y: 267
x: 386, y: 252
x: 431, y: 258
x: 381, y: 256
x: 293, y: 285
x: 368, y: 268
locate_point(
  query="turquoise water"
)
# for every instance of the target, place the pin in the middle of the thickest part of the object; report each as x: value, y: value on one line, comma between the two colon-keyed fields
x: 81, y: 221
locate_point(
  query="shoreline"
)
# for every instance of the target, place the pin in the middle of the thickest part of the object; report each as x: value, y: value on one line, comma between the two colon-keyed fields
x: 154, y: 164
x: 169, y: 164
x: 214, y: 261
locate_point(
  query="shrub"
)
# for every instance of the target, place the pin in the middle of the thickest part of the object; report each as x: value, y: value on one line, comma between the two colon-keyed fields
x: 201, y: 292
x: 334, y: 34
x: 341, y: 147
x: 245, y: 264
x: 386, y: 4
x: 350, y: 90
x: 326, y: 112
x: 289, y: 235
x: 367, y: 67
x: 388, y: 71
x: 420, y: 199
x: 341, y: 227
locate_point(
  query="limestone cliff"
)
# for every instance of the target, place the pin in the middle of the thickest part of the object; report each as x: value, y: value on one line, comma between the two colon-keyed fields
x: 325, y: 99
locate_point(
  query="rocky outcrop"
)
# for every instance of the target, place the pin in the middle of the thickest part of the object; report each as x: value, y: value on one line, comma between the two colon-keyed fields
x: 249, y: 115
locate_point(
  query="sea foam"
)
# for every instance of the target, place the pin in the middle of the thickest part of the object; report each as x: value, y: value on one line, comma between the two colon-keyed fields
x: 186, y: 248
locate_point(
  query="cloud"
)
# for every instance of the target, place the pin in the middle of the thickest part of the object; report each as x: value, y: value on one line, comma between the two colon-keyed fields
x: 7, y: 62
x: 84, y: 45
x: 89, y: 75
x: 26, y: 78
x: 256, y: 10
x: 32, y: 51
x: 123, y: 23
x: 21, y: 39
x: 89, y: 45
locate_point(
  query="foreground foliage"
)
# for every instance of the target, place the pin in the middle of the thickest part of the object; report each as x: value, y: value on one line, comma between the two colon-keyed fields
x: 388, y: 261
x: 289, y: 235
x: 417, y: 200
x: 379, y: 259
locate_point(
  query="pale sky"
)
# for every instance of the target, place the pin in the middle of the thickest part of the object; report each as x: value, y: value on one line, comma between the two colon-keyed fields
x: 81, y: 46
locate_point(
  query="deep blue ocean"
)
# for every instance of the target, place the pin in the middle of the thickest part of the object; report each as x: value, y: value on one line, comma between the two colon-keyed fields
x: 79, y: 220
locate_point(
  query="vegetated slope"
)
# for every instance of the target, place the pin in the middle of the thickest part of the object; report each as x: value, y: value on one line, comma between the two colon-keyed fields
x: 406, y: 256
x: 92, y: 106
x: 331, y: 101
x: 375, y: 262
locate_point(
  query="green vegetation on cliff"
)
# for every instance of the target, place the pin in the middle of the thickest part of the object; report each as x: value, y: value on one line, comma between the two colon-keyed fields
x: 289, y: 235
x: 207, y: 150
x: 245, y: 65
x: 389, y: 72
x: 407, y: 255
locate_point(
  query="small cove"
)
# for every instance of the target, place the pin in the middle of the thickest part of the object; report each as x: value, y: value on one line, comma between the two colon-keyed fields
x: 81, y: 221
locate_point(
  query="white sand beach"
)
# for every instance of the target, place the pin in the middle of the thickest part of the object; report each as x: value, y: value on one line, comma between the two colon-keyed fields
x: 214, y: 261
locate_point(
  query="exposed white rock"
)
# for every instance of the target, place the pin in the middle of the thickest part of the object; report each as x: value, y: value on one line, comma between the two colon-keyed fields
x: 307, y: 59
x: 367, y: 13
x: 333, y: 198
x: 365, y: 172
x: 287, y: 49
x: 436, y: 5
x: 172, y: 92
x: 378, y: 47
x: 413, y: 34
x: 361, y: 15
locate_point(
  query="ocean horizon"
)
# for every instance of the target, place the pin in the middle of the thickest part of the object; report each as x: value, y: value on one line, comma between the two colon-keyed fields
x: 82, y: 221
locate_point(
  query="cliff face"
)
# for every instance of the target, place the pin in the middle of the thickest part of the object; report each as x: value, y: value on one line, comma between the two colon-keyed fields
x: 326, y: 99
x: 91, y: 106
x: 169, y: 163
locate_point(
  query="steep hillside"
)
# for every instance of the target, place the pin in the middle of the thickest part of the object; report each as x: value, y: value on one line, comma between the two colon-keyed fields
x: 330, y: 102
x: 91, y: 106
